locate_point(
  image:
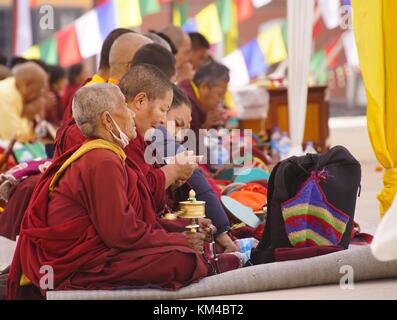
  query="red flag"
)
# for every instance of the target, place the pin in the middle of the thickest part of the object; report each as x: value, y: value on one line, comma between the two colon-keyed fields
x: 333, y: 49
x: 245, y: 9
x: 68, y: 46
x: 318, y: 26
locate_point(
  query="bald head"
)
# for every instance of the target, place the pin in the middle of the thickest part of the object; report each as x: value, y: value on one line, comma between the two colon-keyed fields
x: 175, y: 34
x: 30, y: 79
x: 123, y: 51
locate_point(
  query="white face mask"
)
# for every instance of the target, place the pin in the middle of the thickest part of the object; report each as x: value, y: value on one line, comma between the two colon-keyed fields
x: 123, y: 140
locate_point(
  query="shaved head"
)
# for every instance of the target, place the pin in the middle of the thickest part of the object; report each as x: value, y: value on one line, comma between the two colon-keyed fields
x: 123, y: 51
x: 175, y: 34
x: 30, y: 80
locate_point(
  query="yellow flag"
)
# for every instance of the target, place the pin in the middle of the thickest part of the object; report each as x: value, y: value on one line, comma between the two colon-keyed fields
x: 272, y: 45
x: 231, y: 37
x: 32, y: 53
x: 209, y: 25
x: 128, y: 13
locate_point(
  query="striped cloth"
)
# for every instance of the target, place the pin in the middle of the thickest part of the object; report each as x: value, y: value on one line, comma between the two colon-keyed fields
x: 310, y: 220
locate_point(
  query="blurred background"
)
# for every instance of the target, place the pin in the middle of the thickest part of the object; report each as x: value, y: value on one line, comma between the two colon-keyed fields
x: 52, y: 34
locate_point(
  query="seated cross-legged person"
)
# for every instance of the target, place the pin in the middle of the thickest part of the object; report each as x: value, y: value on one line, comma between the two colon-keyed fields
x: 80, y: 221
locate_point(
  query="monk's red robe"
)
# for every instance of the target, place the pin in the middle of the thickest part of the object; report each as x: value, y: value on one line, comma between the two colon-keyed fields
x: 69, y: 135
x: 92, y: 237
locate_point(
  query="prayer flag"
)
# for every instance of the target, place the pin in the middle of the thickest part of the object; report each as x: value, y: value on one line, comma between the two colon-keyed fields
x: 23, y: 38
x: 107, y: 18
x: 190, y: 26
x: 32, y: 53
x: 180, y: 13
x: 254, y: 59
x: 231, y: 37
x: 272, y: 45
x: 225, y: 12
x: 149, y: 7
x: 245, y: 10
x: 260, y: 3
x: 49, y: 51
x: 208, y: 24
x: 319, y: 68
x: 239, y: 75
x: 68, y: 46
x: 330, y: 12
x: 89, y: 34
x: 128, y: 13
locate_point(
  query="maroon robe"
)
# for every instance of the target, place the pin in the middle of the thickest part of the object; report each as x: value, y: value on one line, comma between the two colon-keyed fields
x: 93, y: 238
x: 70, y: 135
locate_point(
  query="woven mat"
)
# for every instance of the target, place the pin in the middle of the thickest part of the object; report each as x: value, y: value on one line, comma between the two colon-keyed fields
x: 276, y: 276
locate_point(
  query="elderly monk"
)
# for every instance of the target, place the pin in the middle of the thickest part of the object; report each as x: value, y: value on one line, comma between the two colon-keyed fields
x: 80, y: 221
x: 207, y: 93
x: 17, y: 96
x: 183, y: 45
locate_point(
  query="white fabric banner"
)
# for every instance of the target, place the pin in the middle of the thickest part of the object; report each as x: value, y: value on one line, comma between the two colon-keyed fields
x: 300, y: 28
x: 23, y: 33
x: 384, y: 246
x: 260, y: 3
x: 89, y: 34
x: 330, y: 11
x: 239, y: 75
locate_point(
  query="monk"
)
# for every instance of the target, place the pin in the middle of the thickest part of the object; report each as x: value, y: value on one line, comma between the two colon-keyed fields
x: 182, y: 42
x: 207, y: 93
x: 18, y: 95
x: 103, y: 72
x: 81, y: 224
x: 200, y: 50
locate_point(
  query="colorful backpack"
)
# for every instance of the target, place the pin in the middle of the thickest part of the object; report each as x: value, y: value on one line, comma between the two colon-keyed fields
x: 311, y: 206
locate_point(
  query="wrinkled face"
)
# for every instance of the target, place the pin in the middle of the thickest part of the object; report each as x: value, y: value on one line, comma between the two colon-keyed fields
x: 199, y: 57
x: 213, y: 96
x: 151, y: 113
x: 124, y: 117
x: 180, y: 118
x: 184, y: 52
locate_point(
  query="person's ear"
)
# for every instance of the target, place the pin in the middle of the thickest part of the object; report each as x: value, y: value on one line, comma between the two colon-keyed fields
x: 106, y: 121
x: 141, y: 100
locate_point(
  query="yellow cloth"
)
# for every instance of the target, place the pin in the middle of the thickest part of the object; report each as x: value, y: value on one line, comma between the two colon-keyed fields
x: 96, y: 79
x: 375, y: 28
x: 196, y: 90
x: 87, y: 147
x: 12, y: 124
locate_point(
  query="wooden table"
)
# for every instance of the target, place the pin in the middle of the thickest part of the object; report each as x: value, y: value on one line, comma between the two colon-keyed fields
x: 317, y: 116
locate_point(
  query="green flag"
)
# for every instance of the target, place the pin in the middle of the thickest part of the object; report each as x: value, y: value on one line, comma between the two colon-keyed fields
x: 180, y: 13
x: 284, y: 31
x: 149, y: 7
x: 225, y: 14
x: 49, y: 51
